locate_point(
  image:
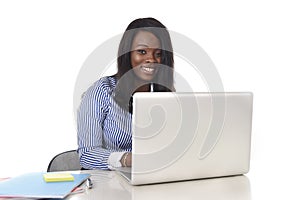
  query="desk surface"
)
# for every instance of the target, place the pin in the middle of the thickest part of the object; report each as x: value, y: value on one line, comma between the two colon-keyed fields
x: 109, y: 185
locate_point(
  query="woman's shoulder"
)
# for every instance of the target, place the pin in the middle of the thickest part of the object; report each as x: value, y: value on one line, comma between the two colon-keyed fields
x: 100, y: 92
x: 106, y: 83
x: 103, y: 86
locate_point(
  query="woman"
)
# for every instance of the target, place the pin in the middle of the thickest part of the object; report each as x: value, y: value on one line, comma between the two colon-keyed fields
x: 104, y: 116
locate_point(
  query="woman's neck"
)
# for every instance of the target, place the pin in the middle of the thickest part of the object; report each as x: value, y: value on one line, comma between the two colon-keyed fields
x: 145, y: 86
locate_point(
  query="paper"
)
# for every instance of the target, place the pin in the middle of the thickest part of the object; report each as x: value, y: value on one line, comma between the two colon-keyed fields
x: 58, y: 177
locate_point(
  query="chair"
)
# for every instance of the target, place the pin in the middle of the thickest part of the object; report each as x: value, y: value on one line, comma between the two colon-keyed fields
x: 65, y: 161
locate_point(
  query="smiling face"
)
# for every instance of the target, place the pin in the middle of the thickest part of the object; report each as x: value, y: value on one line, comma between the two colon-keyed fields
x: 145, y: 54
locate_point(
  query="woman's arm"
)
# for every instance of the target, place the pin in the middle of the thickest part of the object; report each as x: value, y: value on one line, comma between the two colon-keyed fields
x: 90, y: 119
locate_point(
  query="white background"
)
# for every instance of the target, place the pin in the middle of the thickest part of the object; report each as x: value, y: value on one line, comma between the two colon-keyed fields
x: 255, y: 46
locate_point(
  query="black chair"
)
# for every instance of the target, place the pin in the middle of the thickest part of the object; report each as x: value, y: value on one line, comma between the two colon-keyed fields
x: 65, y: 161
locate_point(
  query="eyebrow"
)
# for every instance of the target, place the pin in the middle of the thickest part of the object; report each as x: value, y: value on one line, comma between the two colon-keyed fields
x: 145, y: 45
x: 142, y: 45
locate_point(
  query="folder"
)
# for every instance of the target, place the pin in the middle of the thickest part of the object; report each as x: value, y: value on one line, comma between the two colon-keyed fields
x: 33, y: 185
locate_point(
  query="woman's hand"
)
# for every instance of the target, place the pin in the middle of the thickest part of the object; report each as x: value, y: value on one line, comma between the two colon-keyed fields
x: 126, y: 159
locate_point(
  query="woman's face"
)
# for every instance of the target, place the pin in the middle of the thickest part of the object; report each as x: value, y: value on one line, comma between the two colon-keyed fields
x: 145, y: 54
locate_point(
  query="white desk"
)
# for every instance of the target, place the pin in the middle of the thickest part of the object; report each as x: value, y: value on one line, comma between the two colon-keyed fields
x: 109, y: 185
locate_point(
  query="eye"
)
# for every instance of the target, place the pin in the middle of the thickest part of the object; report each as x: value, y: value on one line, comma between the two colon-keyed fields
x: 158, y: 54
x: 141, y: 51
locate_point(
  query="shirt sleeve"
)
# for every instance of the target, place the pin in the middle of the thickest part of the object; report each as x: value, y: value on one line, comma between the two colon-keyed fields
x: 90, y: 117
x: 114, y: 160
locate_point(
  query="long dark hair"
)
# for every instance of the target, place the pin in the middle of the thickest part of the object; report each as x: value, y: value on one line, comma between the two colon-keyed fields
x: 123, y: 92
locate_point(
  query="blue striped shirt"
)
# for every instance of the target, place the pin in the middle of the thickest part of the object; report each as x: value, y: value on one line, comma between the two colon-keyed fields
x: 102, y: 126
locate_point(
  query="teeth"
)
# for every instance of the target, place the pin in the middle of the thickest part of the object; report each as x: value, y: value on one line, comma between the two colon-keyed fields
x: 148, y: 69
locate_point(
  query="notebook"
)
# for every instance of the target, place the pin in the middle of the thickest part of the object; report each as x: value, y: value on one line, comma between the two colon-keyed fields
x: 33, y: 185
x: 184, y: 136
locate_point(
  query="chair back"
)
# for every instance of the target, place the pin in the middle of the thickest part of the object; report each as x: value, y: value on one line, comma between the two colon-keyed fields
x: 65, y: 161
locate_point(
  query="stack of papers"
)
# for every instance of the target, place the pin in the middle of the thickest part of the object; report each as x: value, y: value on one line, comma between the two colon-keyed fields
x: 33, y: 185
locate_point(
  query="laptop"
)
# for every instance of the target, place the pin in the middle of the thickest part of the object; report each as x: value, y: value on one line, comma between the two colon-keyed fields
x: 186, y: 136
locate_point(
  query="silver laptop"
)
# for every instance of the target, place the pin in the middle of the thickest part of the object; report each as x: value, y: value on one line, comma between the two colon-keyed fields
x: 185, y: 136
